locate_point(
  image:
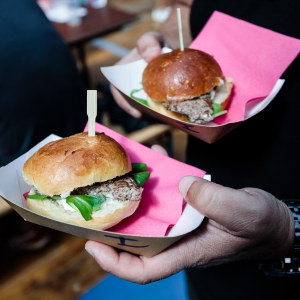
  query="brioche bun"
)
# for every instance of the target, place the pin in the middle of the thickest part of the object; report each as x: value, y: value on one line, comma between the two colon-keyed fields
x: 76, y: 161
x: 181, y: 75
x: 110, y: 214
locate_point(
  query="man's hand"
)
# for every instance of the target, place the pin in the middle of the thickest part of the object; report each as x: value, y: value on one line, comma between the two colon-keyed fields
x: 148, y: 47
x: 240, y: 224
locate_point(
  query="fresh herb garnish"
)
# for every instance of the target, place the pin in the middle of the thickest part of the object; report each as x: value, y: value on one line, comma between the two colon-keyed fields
x: 223, y: 112
x: 36, y: 196
x: 86, y: 204
x: 217, y: 110
x: 138, y: 167
x: 84, y: 207
x: 142, y: 101
x: 138, y: 174
x: 140, y: 178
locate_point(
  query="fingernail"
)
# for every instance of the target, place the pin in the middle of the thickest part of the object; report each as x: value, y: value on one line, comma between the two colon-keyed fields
x: 185, y: 184
x: 89, y: 251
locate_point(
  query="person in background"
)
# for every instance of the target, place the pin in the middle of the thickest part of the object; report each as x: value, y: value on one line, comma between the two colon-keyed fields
x: 243, y: 225
x: 41, y: 92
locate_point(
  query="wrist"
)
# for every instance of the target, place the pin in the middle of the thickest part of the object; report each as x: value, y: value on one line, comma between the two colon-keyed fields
x: 288, y: 246
x: 290, y: 264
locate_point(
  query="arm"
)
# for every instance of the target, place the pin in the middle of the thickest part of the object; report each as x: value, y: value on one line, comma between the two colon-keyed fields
x: 149, y: 46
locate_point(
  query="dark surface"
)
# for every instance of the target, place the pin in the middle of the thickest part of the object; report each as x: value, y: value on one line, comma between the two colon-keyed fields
x: 12, y: 258
x: 261, y: 153
x: 41, y: 89
x: 96, y: 23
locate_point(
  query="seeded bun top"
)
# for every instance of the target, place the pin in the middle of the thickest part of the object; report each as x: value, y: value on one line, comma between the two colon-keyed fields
x: 76, y: 161
x: 181, y: 75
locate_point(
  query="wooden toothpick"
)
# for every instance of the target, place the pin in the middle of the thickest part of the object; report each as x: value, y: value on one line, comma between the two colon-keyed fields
x: 91, y: 110
x: 180, y: 29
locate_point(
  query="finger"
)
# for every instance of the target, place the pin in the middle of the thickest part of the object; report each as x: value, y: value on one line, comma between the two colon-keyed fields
x: 132, y: 56
x: 149, y: 45
x: 217, y: 202
x: 138, y: 269
x: 159, y: 149
x: 124, y: 104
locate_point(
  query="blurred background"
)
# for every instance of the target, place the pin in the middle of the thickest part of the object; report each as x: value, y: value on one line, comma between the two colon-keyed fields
x: 39, y: 263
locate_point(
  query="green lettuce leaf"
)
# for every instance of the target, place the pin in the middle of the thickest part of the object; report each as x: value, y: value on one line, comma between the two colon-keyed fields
x: 138, y: 167
x: 142, y: 101
x: 36, y: 196
x: 217, y: 110
x: 86, y: 204
x: 140, y: 178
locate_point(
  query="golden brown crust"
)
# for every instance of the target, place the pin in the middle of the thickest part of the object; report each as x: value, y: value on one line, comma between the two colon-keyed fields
x: 181, y: 75
x: 75, y: 161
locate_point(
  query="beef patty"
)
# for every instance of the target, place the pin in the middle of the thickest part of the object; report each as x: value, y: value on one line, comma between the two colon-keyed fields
x: 121, y: 188
x: 199, y: 110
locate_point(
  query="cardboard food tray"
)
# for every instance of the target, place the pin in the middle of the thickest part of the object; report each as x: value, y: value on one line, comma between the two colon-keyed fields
x: 12, y: 188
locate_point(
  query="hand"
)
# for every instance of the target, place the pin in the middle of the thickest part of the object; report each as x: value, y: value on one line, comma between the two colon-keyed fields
x: 148, y: 46
x: 240, y: 224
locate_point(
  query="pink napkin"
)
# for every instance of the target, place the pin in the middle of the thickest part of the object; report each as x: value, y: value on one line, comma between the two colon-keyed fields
x: 161, y: 204
x: 253, y: 56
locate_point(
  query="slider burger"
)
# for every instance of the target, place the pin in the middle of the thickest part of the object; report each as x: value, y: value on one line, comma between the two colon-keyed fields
x: 84, y: 180
x: 187, y: 85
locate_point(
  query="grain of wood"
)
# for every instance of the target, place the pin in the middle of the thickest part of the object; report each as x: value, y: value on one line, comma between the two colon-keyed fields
x: 64, y: 272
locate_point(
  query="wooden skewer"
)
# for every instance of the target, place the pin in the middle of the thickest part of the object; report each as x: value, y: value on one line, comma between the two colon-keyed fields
x: 180, y: 29
x: 91, y: 110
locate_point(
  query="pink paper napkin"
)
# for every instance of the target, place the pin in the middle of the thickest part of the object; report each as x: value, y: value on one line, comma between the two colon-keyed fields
x: 253, y: 56
x: 161, y: 204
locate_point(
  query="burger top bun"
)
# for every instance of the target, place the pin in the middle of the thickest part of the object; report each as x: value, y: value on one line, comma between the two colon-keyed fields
x: 76, y: 161
x: 181, y: 75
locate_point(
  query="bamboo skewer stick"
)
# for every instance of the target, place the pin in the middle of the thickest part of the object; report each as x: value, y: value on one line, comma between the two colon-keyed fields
x: 91, y: 110
x: 180, y: 29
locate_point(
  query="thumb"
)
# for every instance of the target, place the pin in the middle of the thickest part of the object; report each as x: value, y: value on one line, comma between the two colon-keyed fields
x: 215, y: 201
x: 149, y: 45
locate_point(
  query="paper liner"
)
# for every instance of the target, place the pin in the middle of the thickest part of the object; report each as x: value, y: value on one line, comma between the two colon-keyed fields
x: 253, y: 56
x: 12, y: 188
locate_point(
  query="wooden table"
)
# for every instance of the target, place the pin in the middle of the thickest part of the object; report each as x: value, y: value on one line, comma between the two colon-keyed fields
x: 96, y: 23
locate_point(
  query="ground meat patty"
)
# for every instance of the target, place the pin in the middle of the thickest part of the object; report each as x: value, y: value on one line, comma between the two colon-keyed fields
x: 199, y: 111
x: 121, y: 188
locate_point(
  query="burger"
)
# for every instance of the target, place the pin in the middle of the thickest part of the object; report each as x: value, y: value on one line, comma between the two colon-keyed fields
x: 83, y: 180
x: 187, y: 85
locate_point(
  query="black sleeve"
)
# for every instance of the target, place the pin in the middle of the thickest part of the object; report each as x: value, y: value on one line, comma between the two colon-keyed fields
x: 41, y: 89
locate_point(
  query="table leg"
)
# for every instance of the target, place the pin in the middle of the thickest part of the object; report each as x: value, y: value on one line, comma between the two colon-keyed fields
x: 84, y: 67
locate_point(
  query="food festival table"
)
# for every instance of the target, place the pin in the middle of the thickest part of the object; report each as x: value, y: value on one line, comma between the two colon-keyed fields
x: 96, y: 23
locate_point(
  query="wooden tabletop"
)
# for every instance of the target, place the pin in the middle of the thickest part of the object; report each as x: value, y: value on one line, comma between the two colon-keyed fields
x: 96, y: 23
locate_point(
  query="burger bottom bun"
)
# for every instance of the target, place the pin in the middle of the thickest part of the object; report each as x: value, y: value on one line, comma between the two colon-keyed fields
x: 110, y: 214
x: 157, y: 106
